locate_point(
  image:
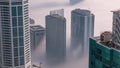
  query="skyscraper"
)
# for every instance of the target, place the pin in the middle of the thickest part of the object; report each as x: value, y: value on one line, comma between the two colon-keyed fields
x: 116, y: 25
x: 57, y: 11
x: 14, y: 34
x: 36, y: 35
x: 82, y: 27
x: 103, y: 52
x: 55, y: 38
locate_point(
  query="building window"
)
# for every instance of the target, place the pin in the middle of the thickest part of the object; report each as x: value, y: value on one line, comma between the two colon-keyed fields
x: 14, y: 32
x: 21, y: 60
x: 14, y: 21
x: 16, y: 61
x: 21, y: 42
x: 92, y: 64
x: 20, y: 21
x: 15, y: 52
x: 15, y: 42
x: 105, y: 66
x: 20, y: 10
x: 37, y: 34
x: 20, y: 31
x: 14, y: 11
x: 99, y: 51
x: 21, y: 51
x: 98, y: 57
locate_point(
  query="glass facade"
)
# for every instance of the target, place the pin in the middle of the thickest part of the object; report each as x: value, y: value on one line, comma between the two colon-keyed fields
x: 82, y: 28
x: 55, y: 39
x: 17, y: 23
x: 101, y: 56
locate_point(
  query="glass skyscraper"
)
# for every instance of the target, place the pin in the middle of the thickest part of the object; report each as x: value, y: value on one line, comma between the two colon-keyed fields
x: 14, y: 34
x: 103, y: 52
x: 55, y: 38
x: 82, y: 27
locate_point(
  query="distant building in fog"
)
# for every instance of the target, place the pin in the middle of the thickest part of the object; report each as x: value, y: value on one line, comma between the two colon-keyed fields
x: 55, y: 38
x: 36, y: 34
x: 57, y: 11
x: 82, y: 27
x: 72, y: 2
x: 32, y: 21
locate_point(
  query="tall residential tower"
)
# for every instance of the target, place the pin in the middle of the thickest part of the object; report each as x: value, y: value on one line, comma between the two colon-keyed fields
x: 14, y: 34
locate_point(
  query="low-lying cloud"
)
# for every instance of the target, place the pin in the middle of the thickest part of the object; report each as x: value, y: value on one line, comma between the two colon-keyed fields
x: 55, y: 4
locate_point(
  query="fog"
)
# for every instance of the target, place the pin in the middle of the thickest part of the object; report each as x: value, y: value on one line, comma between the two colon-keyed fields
x: 49, y: 4
x: 103, y: 22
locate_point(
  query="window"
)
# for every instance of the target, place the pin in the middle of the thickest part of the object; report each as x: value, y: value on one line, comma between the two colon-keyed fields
x: 14, y: 32
x: 21, y: 41
x: 92, y: 63
x: 98, y: 57
x: 15, y: 42
x: 16, y: 61
x: 21, y: 60
x: 4, y: 3
x: 19, y: 10
x: 20, y: 31
x: 14, y: 11
x: 99, y: 51
x: 15, y: 52
x: 37, y: 34
x: 20, y: 21
x: 14, y: 21
x: 21, y: 51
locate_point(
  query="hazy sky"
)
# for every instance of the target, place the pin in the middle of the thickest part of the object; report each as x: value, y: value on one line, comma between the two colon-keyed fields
x: 101, y: 8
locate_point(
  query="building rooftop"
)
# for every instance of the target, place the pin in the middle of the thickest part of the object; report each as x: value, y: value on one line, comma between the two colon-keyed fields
x: 36, y: 27
x: 103, y: 39
x: 116, y: 11
x: 57, y: 16
x: 83, y: 12
x: 57, y: 11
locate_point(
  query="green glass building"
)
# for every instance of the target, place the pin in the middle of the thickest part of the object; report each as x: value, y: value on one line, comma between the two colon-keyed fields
x: 103, y: 54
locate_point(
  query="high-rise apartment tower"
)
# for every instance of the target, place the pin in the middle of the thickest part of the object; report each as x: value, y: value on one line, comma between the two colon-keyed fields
x: 14, y: 34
